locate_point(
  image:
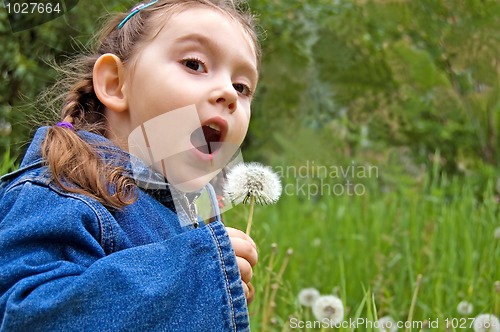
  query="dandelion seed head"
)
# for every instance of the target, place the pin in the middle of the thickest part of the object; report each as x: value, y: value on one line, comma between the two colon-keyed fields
x: 307, y: 296
x: 248, y: 180
x: 387, y: 324
x: 465, y: 308
x: 486, y: 323
x: 497, y: 233
x: 316, y: 242
x: 328, y: 307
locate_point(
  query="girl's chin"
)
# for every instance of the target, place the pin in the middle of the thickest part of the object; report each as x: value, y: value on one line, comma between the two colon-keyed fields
x: 187, y: 184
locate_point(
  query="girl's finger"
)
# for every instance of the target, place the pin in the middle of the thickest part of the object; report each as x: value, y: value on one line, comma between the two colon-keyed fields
x: 246, y: 289
x: 251, y: 293
x: 233, y: 232
x: 245, y: 269
x: 244, y: 249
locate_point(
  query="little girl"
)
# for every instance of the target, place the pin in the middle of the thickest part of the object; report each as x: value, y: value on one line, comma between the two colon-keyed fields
x: 97, y: 227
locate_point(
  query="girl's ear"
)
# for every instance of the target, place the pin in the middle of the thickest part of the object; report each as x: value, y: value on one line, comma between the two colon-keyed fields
x: 109, y: 77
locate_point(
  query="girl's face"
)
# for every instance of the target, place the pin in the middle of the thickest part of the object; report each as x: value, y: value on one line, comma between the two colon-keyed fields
x: 201, y: 63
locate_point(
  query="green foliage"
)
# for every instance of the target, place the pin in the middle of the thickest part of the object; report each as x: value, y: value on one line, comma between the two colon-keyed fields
x: 25, y: 66
x: 421, y: 75
x: 380, y: 75
x: 376, y: 245
x: 8, y: 164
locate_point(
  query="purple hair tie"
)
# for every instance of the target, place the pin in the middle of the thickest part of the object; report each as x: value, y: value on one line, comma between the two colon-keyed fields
x: 65, y: 124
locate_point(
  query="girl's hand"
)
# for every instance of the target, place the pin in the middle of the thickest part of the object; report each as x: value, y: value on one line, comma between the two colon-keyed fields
x: 246, y: 257
x: 250, y: 293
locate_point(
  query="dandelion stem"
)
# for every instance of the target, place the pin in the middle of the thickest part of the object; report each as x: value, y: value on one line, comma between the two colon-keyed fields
x: 250, y: 215
x: 265, y: 314
x: 414, y: 300
x: 276, y: 285
x: 497, y: 295
x: 285, y: 264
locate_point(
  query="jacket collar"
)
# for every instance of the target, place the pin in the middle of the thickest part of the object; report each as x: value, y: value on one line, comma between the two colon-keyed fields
x: 145, y: 177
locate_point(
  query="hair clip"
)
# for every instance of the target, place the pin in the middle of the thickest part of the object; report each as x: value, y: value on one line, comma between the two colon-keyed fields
x: 134, y: 11
x: 65, y: 124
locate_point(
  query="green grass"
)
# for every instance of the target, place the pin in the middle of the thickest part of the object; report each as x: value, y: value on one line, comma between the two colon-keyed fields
x: 370, y: 249
x: 7, y: 164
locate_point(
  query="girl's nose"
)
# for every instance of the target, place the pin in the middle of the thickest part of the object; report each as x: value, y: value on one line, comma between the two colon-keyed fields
x: 225, y: 95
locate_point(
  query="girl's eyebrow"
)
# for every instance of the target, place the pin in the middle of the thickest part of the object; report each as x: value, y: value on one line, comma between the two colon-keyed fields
x: 214, y: 47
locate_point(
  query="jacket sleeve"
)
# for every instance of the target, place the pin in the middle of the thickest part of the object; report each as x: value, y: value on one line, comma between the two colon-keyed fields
x: 55, y: 276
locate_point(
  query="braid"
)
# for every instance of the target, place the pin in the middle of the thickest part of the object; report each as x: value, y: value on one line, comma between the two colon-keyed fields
x: 74, y: 164
x: 81, y: 102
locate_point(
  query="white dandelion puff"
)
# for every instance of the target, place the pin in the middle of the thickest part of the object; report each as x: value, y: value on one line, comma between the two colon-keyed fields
x: 251, y: 183
x: 386, y: 324
x: 465, y: 308
x: 252, y: 180
x: 316, y: 242
x: 307, y: 296
x: 497, y: 233
x: 486, y: 323
x: 328, y: 307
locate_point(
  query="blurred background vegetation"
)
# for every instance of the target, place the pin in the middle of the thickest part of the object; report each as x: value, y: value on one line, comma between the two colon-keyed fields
x: 388, y: 83
x: 411, y: 87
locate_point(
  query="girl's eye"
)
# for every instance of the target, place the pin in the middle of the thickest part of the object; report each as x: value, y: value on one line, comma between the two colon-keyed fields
x: 195, y: 64
x: 243, y: 89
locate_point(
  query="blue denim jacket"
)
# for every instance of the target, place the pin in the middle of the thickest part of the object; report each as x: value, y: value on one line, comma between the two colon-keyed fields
x: 69, y: 264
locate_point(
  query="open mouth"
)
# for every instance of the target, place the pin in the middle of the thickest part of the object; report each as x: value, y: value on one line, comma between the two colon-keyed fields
x: 209, y: 137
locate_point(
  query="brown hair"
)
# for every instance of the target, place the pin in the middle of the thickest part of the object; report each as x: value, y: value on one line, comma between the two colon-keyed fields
x: 75, y: 164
